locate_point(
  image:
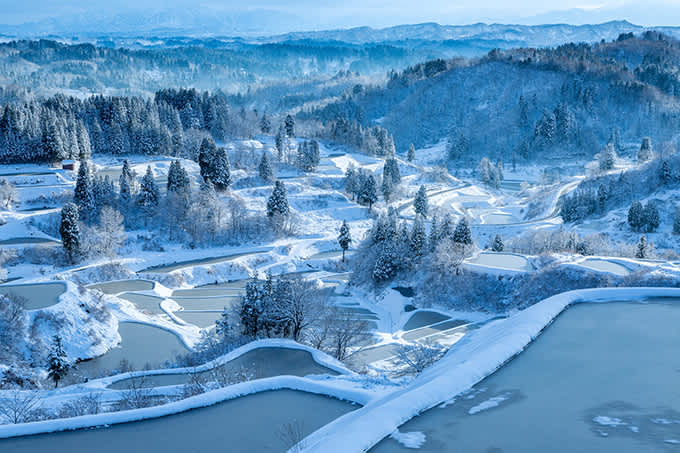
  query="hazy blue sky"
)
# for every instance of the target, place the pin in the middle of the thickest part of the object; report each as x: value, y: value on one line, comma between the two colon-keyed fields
x: 334, y: 13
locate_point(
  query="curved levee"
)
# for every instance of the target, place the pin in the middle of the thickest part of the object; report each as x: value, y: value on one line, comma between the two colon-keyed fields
x: 474, y: 358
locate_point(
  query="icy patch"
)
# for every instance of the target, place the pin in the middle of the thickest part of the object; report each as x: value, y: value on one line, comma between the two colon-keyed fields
x: 672, y: 441
x: 664, y: 421
x: 634, y: 429
x: 489, y: 404
x: 414, y: 439
x: 608, y: 421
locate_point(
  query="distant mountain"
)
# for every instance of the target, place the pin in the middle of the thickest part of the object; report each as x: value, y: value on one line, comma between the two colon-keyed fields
x: 528, y: 35
x: 161, y: 23
x: 218, y: 29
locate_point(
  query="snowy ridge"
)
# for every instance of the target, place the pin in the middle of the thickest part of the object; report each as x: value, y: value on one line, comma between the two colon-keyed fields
x: 475, y: 357
x: 359, y: 396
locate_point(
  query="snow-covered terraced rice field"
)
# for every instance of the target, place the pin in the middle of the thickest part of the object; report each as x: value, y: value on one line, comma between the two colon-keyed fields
x: 201, y: 318
x: 144, y: 302
x: 501, y: 260
x: 422, y: 318
x: 165, y: 268
x: 37, y: 295
x: 123, y: 286
x: 140, y: 345
x: 259, y: 363
x: 583, y: 385
x: 605, y: 266
x: 253, y: 423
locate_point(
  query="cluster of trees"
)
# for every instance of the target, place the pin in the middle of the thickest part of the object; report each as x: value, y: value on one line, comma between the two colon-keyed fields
x: 374, y: 141
x: 643, y: 218
x: 363, y: 185
x: 308, y: 155
x: 392, y: 246
x: 489, y: 173
x: 173, y: 123
x: 279, y: 307
x: 94, y: 223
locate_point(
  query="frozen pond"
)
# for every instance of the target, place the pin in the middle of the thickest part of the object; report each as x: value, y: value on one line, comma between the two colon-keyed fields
x: 202, y: 319
x: 605, y: 266
x: 260, y: 362
x: 601, y: 378
x: 499, y: 218
x: 143, y: 302
x: 123, y: 286
x: 163, y: 268
x: 253, y: 423
x: 424, y: 318
x: 37, y: 295
x: 502, y: 261
x: 141, y: 345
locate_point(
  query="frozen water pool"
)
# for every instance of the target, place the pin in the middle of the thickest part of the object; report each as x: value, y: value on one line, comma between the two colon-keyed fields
x: 164, y: 268
x: 140, y: 345
x: 602, y: 378
x: 37, y: 295
x: 502, y: 261
x: 123, y: 286
x: 261, y: 363
x: 261, y: 422
x: 605, y: 266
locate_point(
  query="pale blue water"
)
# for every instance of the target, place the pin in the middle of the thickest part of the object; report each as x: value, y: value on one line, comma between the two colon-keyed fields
x: 595, y: 364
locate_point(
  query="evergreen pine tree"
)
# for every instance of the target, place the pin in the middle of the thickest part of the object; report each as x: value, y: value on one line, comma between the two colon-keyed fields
x: 277, y: 204
x: 418, y: 239
x: 385, y: 266
x: 206, y: 155
x: 386, y: 187
x: 607, y: 157
x: 344, y: 239
x: 289, y: 124
x: 645, y: 154
x: 57, y: 364
x: 411, y: 154
x: 265, y: 168
x: 462, y: 233
x: 83, y: 195
x: 222, y: 325
x: 368, y: 193
x: 666, y: 174
x: 148, y: 197
x: 635, y: 216
x: 221, y: 170
x: 178, y: 179
x: 281, y: 144
x: 420, y: 202
x: 265, y: 124
x: 70, y: 231
x: 126, y: 183
x: 497, y: 244
x: 650, y: 218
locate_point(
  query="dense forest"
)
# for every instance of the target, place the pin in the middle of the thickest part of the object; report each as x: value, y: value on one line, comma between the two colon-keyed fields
x: 527, y: 103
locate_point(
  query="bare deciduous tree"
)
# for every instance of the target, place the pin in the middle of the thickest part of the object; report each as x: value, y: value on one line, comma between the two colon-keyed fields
x: 19, y: 406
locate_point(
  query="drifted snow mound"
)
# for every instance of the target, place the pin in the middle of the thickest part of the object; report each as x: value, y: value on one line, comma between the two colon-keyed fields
x: 83, y: 321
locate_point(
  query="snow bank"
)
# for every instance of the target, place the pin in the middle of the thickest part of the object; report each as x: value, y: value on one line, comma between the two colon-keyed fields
x: 472, y: 359
x: 359, y: 396
x: 83, y: 334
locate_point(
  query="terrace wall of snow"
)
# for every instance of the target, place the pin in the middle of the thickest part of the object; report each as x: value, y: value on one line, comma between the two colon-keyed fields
x: 472, y: 359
